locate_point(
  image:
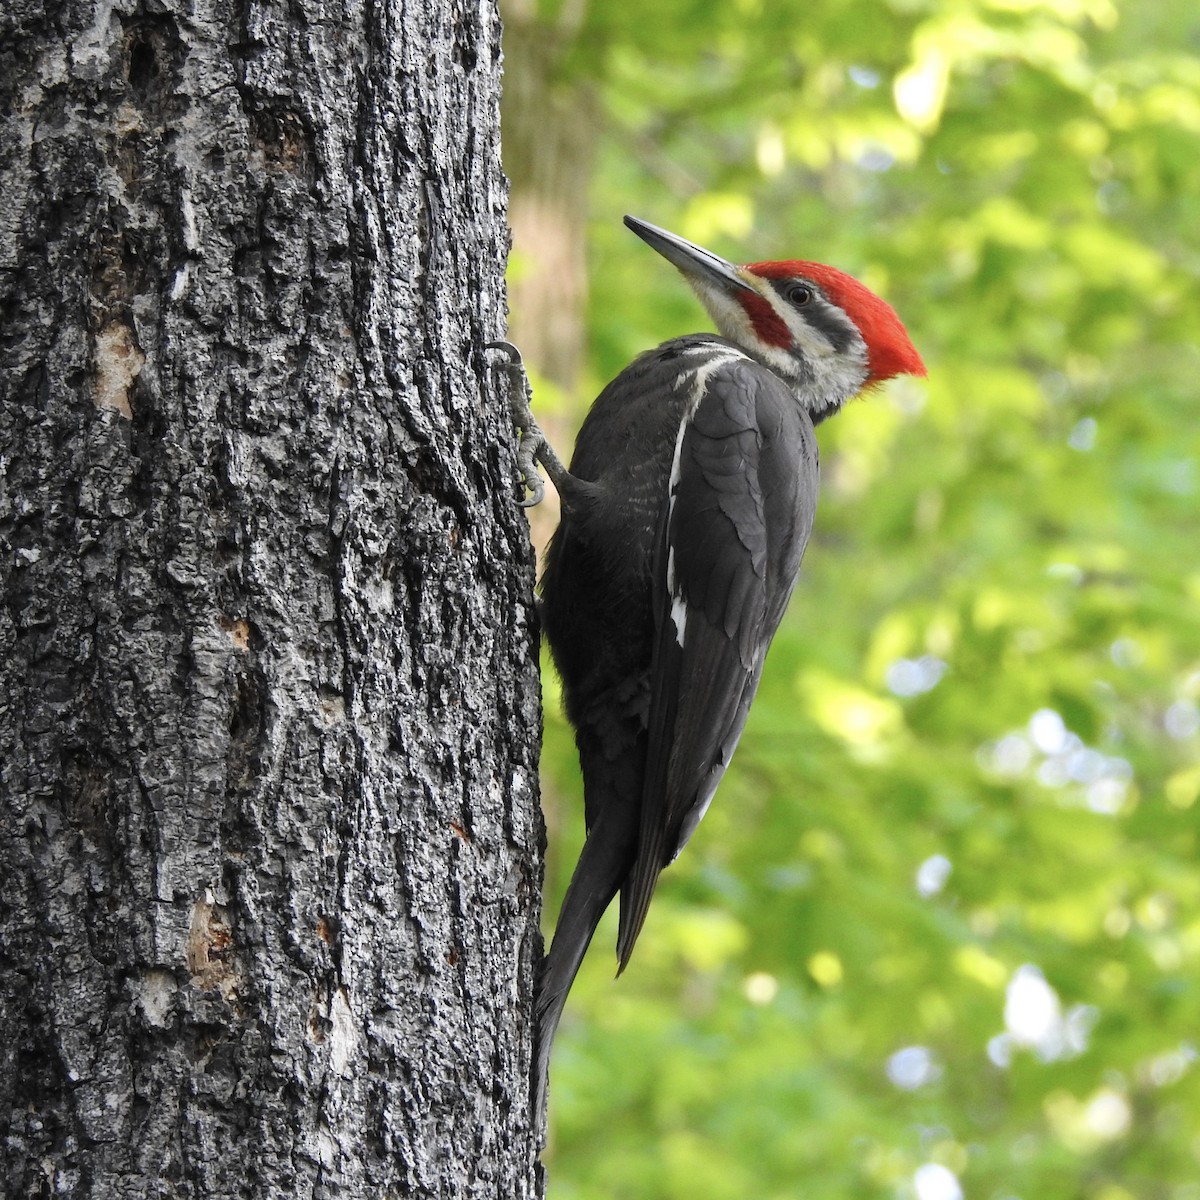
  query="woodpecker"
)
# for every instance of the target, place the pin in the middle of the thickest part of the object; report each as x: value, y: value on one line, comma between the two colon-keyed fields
x: 685, y: 512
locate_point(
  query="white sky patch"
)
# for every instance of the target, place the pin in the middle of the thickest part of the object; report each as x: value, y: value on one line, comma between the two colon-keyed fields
x: 1182, y: 720
x: 913, y: 676
x: 1060, y: 760
x: 875, y: 156
x: 1000, y: 1050
x: 760, y: 988
x: 932, y: 1181
x: 1034, y: 1020
x: 1032, y: 1010
x: 932, y: 875
x: 1108, y: 1115
x: 1126, y: 652
x: 1083, y: 436
x: 1048, y: 731
x: 1010, y: 756
x: 1166, y: 1069
x: 913, y: 1067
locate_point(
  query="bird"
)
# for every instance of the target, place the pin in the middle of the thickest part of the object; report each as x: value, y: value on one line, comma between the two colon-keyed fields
x: 686, y: 509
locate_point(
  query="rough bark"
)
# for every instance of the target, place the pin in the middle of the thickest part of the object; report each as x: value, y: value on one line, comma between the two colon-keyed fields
x: 269, y: 725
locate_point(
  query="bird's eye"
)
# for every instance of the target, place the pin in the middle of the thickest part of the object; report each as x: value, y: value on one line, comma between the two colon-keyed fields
x: 799, y: 294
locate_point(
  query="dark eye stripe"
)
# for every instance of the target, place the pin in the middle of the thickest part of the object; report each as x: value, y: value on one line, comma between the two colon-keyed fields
x: 824, y: 317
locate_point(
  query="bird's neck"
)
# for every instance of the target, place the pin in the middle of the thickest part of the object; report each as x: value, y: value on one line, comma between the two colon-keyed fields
x: 821, y: 385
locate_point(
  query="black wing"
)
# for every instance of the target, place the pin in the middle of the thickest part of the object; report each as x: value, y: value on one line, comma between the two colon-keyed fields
x: 731, y: 535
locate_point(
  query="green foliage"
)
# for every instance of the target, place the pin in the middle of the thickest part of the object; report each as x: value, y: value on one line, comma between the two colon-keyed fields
x: 946, y: 906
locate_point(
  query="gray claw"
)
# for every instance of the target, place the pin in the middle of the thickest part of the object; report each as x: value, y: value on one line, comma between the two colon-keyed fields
x: 532, y: 446
x: 527, y: 450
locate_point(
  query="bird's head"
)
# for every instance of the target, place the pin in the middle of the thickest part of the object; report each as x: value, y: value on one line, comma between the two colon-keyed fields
x: 822, y: 331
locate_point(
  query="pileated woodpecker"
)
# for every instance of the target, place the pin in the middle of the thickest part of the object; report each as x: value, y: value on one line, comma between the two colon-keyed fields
x: 685, y: 513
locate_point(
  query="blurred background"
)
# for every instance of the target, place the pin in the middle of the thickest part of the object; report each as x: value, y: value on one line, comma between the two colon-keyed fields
x: 939, y: 935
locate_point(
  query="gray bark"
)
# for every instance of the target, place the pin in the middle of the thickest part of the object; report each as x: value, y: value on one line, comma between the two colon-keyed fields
x: 269, y: 722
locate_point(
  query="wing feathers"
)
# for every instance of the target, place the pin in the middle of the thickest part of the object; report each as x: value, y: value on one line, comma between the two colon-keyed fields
x: 733, y: 531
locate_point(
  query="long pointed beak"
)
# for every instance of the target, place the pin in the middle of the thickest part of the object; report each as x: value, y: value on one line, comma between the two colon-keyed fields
x: 692, y: 260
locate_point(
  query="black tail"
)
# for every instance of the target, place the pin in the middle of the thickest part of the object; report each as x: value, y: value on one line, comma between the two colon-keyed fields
x: 602, y: 867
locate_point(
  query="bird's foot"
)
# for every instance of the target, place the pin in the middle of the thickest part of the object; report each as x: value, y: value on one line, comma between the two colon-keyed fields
x: 533, y: 446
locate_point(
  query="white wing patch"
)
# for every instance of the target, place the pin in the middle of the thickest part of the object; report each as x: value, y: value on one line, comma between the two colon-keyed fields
x: 679, y: 618
x: 679, y: 610
x: 699, y: 377
x: 697, y: 383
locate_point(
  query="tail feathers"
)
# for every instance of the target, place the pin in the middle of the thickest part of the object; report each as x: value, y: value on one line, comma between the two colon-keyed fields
x: 601, y: 868
x: 636, y: 893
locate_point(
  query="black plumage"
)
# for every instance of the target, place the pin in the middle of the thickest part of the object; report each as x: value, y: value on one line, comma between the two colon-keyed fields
x: 686, y: 510
x: 664, y: 584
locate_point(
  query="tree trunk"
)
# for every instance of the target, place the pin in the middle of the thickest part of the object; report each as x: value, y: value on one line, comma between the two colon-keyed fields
x: 270, y: 718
